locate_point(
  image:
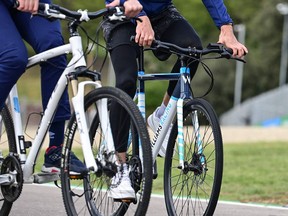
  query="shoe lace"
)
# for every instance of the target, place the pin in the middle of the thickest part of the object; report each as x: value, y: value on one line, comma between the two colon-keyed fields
x: 121, y: 176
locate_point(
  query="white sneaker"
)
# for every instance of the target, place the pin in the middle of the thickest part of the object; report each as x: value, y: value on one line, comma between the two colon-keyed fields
x: 121, y: 185
x: 153, y: 122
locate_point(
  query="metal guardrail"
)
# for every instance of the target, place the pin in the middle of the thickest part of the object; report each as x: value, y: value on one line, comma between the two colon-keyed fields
x: 269, y: 108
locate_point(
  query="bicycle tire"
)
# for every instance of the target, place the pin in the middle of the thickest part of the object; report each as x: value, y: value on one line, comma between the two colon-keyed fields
x: 93, y: 200
x: 7, y: 142
x: 195, y: 189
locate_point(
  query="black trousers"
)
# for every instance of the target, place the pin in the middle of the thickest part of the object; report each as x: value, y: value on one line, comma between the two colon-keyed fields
x: 169, y: 26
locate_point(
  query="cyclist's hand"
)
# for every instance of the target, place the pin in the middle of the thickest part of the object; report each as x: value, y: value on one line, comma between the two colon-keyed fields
x: 28, y: 6
x: 228, y: 38
x: 132, y: 7
x: 144, y: 32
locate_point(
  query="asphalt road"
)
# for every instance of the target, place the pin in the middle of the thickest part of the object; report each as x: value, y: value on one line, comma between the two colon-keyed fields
x: 46, y: 200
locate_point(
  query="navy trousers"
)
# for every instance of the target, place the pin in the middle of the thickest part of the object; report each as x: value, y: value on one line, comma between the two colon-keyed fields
x: 41, y: 35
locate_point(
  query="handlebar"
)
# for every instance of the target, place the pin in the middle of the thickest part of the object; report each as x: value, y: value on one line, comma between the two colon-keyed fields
x: 211, y: 48
x: 189, y: 51
x: 58, y: 12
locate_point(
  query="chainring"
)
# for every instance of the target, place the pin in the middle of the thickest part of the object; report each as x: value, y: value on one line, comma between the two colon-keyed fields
x: 11, y: 165
x: 135, y: 172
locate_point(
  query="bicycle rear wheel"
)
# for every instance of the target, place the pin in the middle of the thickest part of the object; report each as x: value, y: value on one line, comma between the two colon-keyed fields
x: 7, y: 144
x: 194, y: 190
x: 88, y: 195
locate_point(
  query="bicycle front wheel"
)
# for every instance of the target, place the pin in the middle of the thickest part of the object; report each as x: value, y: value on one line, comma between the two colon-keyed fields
x: 193, y: 188
x: 89, y: 194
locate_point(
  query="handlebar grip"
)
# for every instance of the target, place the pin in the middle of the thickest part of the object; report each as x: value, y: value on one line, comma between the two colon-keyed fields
x: 41, y: 6
x: 229, y: 50
x: 153, y: 45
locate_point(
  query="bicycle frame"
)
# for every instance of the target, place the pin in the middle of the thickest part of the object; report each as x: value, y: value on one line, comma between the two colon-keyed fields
x: 78, y: 60
x: 174, y: 107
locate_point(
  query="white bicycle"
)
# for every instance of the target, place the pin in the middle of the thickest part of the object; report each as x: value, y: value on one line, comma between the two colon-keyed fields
x: 88, y: 134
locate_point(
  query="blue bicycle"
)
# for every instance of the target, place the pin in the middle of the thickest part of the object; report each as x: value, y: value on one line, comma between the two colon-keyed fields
x: 194, y: 156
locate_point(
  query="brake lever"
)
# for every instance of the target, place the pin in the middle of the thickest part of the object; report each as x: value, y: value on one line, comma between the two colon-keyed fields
x: 118, y: 15
x: 228, y: 55
x: 238, y: 59
x: 227, y: 52
x: 50, y: 13
x: 45, y: 15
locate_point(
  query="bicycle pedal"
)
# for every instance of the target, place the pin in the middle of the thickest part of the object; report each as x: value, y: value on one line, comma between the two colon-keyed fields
x: 155, y: 171
x: 76, y: 176
x: 133, y: 200
x: 155, y: 175
x: 41, y: 178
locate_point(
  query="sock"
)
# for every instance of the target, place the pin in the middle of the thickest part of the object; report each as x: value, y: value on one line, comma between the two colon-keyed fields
x: 56, y: 133
x: 160, y: 110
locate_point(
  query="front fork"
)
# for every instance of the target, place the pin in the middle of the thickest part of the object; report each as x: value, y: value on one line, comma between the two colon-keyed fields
x: 102, y: 105
x: 196, y: 131
x: 180, y: 132
x: 185, y: 93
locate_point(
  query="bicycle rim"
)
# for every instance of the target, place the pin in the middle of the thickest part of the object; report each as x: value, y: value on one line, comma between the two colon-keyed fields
x: 195, y: 189
x: 7, y: 144
x: 89, y: 195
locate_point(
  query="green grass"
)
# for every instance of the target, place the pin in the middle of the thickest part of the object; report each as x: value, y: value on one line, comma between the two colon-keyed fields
x: 29, y: 85
x: 256, y: 173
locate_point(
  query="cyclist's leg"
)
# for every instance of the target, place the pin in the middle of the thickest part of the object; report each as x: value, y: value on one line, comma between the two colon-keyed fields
x: 13, y: 53
x: 186, y: 37
x: 42, y: 35
x: 125, y: 66
x: 13, y: 60
x: 172, y: 27
x: 123, y: 56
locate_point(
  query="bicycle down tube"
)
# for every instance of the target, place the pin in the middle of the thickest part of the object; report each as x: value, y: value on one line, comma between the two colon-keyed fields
x: 175, y: 106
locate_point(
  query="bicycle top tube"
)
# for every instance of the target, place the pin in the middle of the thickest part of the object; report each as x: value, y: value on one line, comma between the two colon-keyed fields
x: 158, y: 76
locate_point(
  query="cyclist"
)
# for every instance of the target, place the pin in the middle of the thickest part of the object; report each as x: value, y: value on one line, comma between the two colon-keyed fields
x: 160, y: 20
x: 170, y: 26
x: 41, y: 34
